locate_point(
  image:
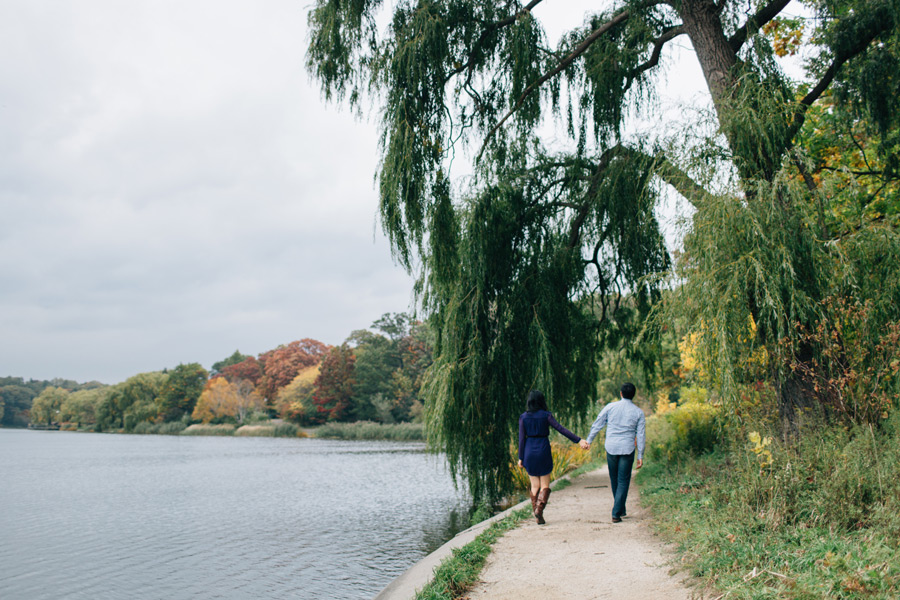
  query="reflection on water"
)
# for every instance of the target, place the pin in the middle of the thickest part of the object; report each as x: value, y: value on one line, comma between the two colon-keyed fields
x: 140, y: 517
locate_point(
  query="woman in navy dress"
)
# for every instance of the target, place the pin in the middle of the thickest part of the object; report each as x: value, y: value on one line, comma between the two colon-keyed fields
x: 534, y: 449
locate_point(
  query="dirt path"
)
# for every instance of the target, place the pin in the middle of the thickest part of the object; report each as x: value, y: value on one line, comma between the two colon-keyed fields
x: 581, y: 553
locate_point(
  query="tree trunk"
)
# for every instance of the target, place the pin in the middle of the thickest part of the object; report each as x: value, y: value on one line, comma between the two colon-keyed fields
x: 798, y: 402
x: 717, y: 59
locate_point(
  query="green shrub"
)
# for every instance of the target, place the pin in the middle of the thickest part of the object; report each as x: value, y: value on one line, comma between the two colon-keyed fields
x: 172, y: 428
x: 144, y: 427
x: 692, y: 428
x: 287, y: 430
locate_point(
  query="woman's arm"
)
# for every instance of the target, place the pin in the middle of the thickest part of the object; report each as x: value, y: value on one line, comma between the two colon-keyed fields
x: 521, y: 440
x: 555, y: 425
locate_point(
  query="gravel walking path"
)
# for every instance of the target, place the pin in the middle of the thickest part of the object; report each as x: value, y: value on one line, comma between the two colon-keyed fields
x: 580, y: 553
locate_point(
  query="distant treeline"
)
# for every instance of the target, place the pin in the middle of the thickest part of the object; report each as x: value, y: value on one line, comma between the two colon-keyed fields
x: 375, y: 376
x: 17, y: 395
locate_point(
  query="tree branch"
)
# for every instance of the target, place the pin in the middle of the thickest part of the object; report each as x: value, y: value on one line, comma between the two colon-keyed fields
x: 754, y: 23
x: 658, y: 44
x: 882, y: 25
x: 683, y: 183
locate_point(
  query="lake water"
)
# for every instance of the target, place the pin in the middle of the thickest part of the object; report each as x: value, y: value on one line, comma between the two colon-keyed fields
x: 165, y: 517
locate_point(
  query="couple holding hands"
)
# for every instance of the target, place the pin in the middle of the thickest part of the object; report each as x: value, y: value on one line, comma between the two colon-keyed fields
x: 624, y: 436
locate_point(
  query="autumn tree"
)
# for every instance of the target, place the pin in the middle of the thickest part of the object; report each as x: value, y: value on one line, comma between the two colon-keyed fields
x: 249, y: 369
x: 557, y: 225
x: 222, y: 399
x: 333, y: 395
x: 282, y: 364
x: 295, y: 400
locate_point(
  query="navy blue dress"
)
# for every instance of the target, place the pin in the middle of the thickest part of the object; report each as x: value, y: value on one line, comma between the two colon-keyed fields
x: 534, y: 447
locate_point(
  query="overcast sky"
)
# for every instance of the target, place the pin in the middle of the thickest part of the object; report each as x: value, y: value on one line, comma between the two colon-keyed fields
x: 173, y: 188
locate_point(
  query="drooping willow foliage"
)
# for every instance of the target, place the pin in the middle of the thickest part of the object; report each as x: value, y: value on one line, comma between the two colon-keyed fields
x: 526, y: 264
x: 515, y: 311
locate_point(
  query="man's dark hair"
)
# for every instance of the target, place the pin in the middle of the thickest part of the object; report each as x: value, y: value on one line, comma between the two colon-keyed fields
x: 628, y: 390
x: 536, y: 401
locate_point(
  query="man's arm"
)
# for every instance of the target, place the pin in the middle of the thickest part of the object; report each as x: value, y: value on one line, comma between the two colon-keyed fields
x: 599, y: 423
x: 641, y: 440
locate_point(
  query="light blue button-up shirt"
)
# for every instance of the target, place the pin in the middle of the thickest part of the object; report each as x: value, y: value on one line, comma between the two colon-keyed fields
x: 624, y: 424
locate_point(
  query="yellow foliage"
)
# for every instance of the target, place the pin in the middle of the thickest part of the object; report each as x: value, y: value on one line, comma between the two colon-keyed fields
x: 694, y: 395
x: 663, y: 405
x: 760, y: 448
x: 690, y: 362
x: 786, y: 35
x: 295, y: 398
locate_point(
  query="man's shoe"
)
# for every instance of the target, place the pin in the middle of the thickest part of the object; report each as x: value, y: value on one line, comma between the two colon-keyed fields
x: 617, y: 519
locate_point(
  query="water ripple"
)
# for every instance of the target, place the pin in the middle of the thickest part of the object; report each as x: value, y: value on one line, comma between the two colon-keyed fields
x: 89, y: 516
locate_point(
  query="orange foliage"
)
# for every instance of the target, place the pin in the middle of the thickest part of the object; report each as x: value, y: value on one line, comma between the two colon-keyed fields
x: 282, y: 364
x: 222, y: 398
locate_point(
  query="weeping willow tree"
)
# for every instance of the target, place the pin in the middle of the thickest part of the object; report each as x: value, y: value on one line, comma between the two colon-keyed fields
x: 528, y: 261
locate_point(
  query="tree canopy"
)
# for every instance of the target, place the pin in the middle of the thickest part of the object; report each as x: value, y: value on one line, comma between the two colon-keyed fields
x: 526, y: 265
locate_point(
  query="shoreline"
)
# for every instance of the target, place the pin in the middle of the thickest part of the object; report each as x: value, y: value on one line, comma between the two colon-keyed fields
x: 353, y: 431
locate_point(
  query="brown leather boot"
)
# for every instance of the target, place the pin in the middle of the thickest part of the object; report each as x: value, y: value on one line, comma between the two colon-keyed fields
x: 533, y: 500
x: 541, y: 502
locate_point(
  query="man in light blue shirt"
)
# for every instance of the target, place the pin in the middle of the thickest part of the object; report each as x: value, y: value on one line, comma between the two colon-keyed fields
x: 625, y: 431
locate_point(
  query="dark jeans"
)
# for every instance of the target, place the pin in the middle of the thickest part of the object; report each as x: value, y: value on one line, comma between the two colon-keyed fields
x: 619, y: 480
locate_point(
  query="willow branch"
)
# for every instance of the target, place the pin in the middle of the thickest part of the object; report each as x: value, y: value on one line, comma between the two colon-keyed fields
x: 756, y: 22
x: 484, y: 35
x: 585, y: 208
x: 565, y: 62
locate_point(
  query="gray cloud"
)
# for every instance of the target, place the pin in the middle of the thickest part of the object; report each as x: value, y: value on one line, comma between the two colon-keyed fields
x: 172, y: 188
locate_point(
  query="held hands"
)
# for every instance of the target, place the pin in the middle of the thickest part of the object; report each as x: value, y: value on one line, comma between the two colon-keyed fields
x: 520, y: 463
x: 585, y: 445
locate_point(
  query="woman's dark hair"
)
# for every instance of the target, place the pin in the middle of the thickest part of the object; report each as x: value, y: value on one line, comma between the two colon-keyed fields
x: 536, y: 401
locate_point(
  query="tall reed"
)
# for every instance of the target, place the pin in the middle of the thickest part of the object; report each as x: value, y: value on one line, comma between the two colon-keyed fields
x: 367, y: 430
